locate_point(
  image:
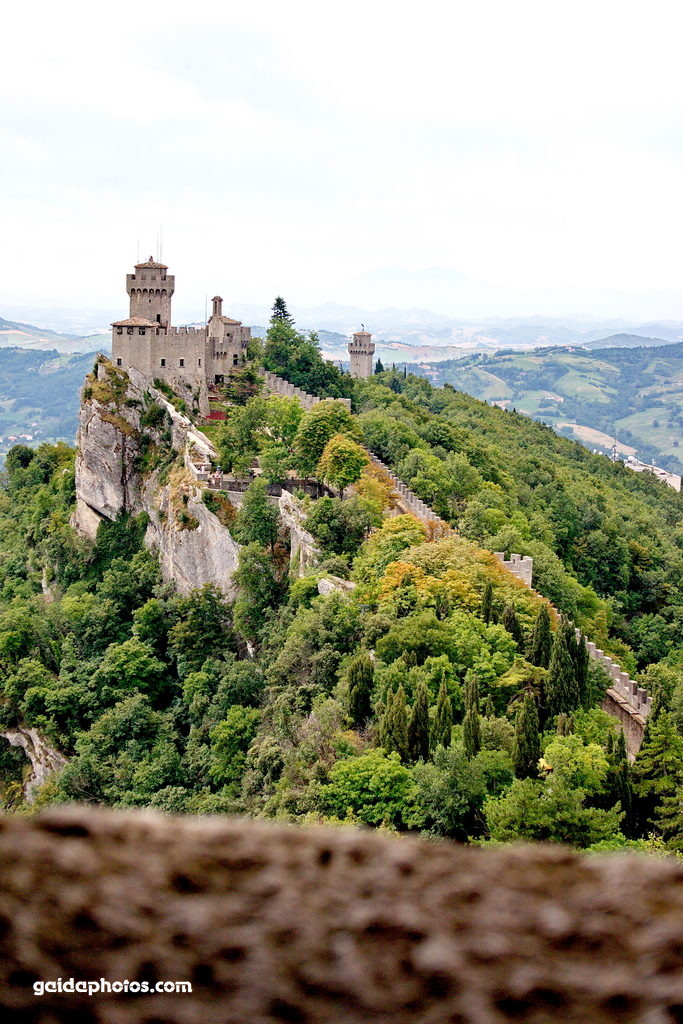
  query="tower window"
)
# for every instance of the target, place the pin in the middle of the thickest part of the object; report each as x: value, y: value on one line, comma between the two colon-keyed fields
x: 158, y: 316
x: 163, y: 362
x: 182, y: 362
x: 234, y: 360
x: 199, y: 362
x: 118, y: 362
x: 129, y: 330
x: 141, y: 330
x: 119, y: 330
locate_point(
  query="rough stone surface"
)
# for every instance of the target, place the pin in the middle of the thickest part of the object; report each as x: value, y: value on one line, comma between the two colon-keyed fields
x: 272, y: 923
x: 303, y: 550
x: 107, y: 482
x: 45, y: 760
x: 328, y: 584
x: 191, y: 558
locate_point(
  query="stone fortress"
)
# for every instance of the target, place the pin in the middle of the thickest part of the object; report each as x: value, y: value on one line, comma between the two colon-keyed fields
x: 146, y: 341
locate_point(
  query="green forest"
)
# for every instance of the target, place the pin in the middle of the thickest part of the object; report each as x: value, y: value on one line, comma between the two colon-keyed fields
x: 634, y: 393
x: 428, y: 691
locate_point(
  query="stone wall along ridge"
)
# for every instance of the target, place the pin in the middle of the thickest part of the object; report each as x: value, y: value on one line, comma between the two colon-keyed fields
x: 278, y: 386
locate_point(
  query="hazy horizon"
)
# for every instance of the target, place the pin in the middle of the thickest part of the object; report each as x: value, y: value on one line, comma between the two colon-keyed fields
x: 474, y: 160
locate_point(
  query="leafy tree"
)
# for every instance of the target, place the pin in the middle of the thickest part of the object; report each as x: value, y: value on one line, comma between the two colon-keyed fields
x: 550, y: 811
x: 230, y: 741
x: 340, y: 526
x: 257, y: 519
x: 360, y: 677
x: 582, y: 765
x: 393, y: 730
x: 203, y: 628
x: 341, y: 462
x: 443, y: 719
x: 561, y: 692
x: 130, y: 667
x: 374, y: 788
x: 316, y: 428
x: 449, y: 793
x: 526, y: 750
x: 259, y: 590
x: 418, y: 727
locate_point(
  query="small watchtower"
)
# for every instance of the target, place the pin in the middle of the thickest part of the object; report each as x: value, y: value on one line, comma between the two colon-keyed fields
x: 150, y: 289
x: 361, y: 351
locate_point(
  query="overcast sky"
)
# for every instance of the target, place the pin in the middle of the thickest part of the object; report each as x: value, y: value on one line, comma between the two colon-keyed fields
x: 470, y: 157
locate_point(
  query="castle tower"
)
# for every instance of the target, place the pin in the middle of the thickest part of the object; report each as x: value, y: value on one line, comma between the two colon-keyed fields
x: 361, y: 351
x: 150, y: 289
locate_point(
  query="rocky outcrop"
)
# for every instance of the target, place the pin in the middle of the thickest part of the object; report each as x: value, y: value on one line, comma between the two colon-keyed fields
x: 45, y: 760
x: 194, y: 550
x: 268, y: 923
x: 194, y: 547
x: 303, y: 550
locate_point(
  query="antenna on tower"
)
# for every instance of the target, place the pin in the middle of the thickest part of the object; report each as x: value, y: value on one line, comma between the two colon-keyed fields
x: 161, y: 242
x: 138, y: 259
x: 206, y: 307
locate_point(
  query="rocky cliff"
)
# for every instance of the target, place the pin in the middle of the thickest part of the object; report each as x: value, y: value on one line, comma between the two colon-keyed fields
x: 134, y: 444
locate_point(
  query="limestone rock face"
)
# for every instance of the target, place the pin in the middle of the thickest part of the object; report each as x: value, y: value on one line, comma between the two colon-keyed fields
x: 44, y: 759
x: 194, y: 547
x: 107, y: 481
x: 206, y: 553
x: 303, y: 550
x: 328, y: 926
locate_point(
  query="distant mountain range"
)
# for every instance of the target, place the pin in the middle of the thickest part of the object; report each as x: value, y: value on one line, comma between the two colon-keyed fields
x: 400, y: 334
x: 19, y: 335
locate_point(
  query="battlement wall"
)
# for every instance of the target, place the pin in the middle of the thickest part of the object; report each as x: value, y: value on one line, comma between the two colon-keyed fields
x: 279, y: 386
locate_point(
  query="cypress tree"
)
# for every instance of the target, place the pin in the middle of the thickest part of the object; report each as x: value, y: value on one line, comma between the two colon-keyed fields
x: 526, y: 748
x: 489, y: 709
x: 487, y: 603
x: 471, y: 726
x: 443, y: 720
x: 541, y: 639
x: 418, y: 728
x: 361, y: 676
x: 379, y: 367
x: 561, y: 692
x: 510, y: 622
x: 394, y: 726
x: 582, y: 662
x: 618, y: 784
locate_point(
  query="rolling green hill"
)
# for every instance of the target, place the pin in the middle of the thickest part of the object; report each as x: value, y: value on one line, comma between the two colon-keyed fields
x: 633, y: 393
x: 39, y: 394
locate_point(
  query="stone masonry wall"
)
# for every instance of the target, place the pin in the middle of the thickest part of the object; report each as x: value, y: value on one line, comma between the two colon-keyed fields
x: 278, y: 386
x: 271, y: 924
